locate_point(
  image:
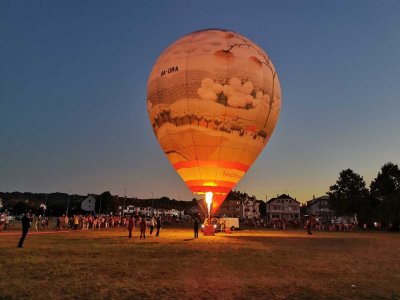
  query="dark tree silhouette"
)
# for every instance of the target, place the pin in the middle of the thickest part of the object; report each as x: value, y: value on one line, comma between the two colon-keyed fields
x: 387, y: 182
x: 105, y: 203
x: 349, y: 195
x: 385, y: 189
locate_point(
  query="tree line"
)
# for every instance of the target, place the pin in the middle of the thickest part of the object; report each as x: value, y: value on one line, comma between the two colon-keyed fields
x: 59, y: 203
x: 379, y: 203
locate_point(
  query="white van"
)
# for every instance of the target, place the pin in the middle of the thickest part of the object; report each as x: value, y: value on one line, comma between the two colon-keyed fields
x: 231, y: 223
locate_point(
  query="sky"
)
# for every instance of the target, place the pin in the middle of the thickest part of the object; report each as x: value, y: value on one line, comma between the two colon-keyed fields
x: 73, y: 78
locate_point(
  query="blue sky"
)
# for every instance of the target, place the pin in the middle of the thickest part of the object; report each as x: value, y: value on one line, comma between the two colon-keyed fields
x: 73, y: 81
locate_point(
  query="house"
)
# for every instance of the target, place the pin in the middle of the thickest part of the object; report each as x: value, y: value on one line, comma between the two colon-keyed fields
x: 319, y: 207
x: 230, y: 208
x: 173, y: 212
x: 149, y: 211
x: 250, y: 208
x: 144, y: 211
x: 239, y: 205
x: 137, y: 210
x: 130, y: 209
x: 283, y: 207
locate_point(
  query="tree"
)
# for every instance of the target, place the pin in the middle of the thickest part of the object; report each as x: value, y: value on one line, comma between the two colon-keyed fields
x: 262, y: 208
x: 349, y: 195
x: 391, y: 211
x: 387, y: 182
x: 106, y: 201
x: 385, y: 188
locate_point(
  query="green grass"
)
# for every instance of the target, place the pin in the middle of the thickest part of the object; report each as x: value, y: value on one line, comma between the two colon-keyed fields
x: 104, y: 264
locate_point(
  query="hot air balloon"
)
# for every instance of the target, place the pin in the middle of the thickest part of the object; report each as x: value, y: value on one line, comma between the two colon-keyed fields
x: 213, y: 99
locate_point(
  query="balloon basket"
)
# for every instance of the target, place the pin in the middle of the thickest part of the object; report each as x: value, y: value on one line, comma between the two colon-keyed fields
x: 208, y: 230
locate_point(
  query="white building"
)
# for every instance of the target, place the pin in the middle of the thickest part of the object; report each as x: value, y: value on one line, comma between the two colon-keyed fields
x: 144, y: 211
x: 283, y: 207
x: 137, y: 210
x: 173, y: 212
x: 149, y: 211
x: 130, y: 209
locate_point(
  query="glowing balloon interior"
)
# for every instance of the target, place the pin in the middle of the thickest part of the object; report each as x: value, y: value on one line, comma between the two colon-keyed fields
x: 213, y: 100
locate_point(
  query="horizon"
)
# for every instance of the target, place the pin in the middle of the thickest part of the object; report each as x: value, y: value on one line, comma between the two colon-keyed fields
x: 160, y: 197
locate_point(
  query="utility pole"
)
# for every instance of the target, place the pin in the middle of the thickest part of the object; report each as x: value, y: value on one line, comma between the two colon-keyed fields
x: 45, y: 204
x: 123, y: 206
x: 152, y: 207
x: 100, y: 205
x: 69, y: 192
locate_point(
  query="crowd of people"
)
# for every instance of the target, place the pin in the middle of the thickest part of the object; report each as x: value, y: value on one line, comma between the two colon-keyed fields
x: 130, y: 222
x: 89, y: 222
x: 86, y: 222
x: 283, y: 224
x: 5, y: 221
x: 309, y: 222
x: 40, y: 222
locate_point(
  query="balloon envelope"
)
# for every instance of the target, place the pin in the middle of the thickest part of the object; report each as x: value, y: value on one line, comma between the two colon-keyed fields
x: 213, y: 99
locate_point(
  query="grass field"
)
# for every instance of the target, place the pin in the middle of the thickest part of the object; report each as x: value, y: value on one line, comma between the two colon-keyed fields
x: 248, y: 264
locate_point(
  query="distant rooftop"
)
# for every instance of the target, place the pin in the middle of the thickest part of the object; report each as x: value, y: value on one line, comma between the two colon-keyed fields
x: 283, y: 196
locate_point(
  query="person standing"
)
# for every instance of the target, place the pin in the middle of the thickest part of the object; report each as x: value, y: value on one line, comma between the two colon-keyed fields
x: 58, y: 225
x: 158, y: 226
x: 143, y: 226
x: 152, y: 224
x: 66, y: 222
x: 36, y: 222
x: 2, y: 221
x: 7, y: 224
x: 196, y: 228
x: 26, y: 224
x: 76, y: 222
x: 130, y: 226
x: 309, y: 225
